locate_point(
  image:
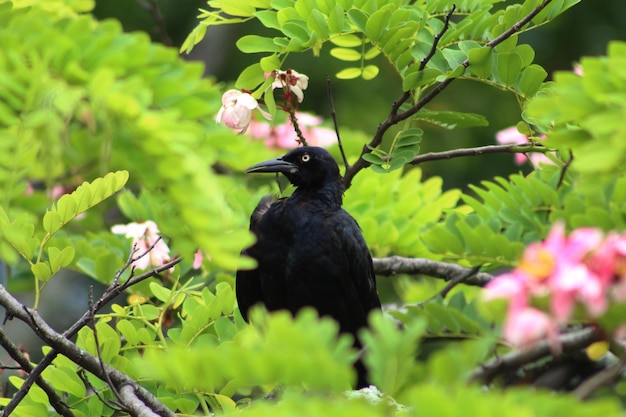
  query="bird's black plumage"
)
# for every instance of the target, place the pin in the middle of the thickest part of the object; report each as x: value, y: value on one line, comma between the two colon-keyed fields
x: 310, y: 252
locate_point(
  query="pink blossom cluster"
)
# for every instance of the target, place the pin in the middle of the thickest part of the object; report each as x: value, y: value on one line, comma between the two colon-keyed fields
x: 145, y: 236
x: 580, y: 272
x: 284, y: 135
x: 237, y: 106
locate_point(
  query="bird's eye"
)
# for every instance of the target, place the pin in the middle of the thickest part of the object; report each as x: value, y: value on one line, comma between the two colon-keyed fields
x: 305, y: 157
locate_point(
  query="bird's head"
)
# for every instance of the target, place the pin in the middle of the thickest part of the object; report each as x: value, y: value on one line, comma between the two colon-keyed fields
x: 306, y: 167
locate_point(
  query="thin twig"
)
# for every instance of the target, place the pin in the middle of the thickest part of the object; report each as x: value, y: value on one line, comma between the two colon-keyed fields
x: 564, y: 169
x: 334, y: 116
x: 438, y: 36
x: 479, y: 150
x: 451, y: 284
x: 394, y: 265
x: 83, y: 377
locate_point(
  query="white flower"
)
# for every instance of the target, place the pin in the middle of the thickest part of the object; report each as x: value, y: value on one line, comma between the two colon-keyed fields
x: 144, y: 236
x: 293, y: 80
x: 236, y: 110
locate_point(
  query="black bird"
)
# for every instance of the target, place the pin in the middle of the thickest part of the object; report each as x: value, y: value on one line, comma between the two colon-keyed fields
x: 310, y: 251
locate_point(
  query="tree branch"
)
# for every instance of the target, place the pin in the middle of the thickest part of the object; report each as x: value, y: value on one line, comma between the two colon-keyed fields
x: 600, y: 379
x: 480, y: 150
x: 83, y: 359
x: 419, y: 266
x: 394, y: 117
x: 56, y: 401
x: 135, y: 406
x: 574, y: 340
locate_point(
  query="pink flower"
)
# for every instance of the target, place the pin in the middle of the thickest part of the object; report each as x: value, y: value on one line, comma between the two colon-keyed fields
x: 512, y: 286
x: 144, y: 236
x: 197, y: 259
x: 526, y: 326
x: 291, y: 80
x: 578, y: 70
x: 236, y: 110
x: 512, y: 136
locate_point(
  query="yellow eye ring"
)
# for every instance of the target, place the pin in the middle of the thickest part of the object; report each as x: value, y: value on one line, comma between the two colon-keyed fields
x: 305, y: 157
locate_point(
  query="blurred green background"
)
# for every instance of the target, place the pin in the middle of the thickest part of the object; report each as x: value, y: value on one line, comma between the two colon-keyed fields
x: 583, y: 30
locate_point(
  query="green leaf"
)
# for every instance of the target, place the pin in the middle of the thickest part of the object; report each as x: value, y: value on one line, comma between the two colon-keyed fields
x: 251, y: 77
x: 336, y: 19
x: 268, y: 18
x: 347, y: 40
x: 41, y: 270
x: 376, y: 24
x: 237, y: 8
x: 451, y: 119
x: 65, y: 380
x: 60, y: 258
x: 253, y: 43
x: 318, y: 23
x: 373, y: 158
x: 369, y: 72
x: 160, y: 292
x: 481, y: 61
x: 416, y: 79
x: 106, y: 266
x: 531, y: 80
x: 346, y: 54
x: 349, y: 73
x: 296, y: 29
x: 509, y: 66
x: 359, y: 18
x: 52, y: 221
x: 270, y: 63
x: 67, y: 208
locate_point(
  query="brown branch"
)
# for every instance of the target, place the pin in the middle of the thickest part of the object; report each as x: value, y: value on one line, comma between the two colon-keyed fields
x: 450, y: 285
x: 600, y: 379
x: 394, y: 265
x: 55, y: 401
x: 394, y: 117
x: 438, y: 36
x: 571, y: 341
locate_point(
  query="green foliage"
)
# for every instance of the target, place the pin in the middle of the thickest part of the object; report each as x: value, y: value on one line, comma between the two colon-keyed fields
x: 115, y: 112
x: 585, y: 113
x: 143, y: 110
x: 393, y: 210
x: 507, y: 214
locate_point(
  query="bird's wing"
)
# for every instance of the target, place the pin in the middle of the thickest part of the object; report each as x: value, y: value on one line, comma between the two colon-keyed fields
x: 248, y: 283
x: 358, y: 282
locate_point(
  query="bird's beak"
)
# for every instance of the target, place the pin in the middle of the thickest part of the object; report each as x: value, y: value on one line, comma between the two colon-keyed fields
x: 273, y: 165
